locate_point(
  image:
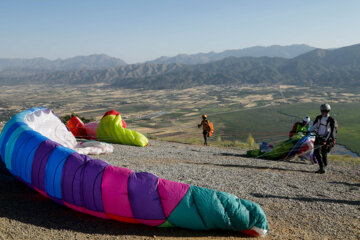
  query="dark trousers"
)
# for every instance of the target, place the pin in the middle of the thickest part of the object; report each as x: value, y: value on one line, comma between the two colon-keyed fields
x: 321, y: 152
x: 206, y: 135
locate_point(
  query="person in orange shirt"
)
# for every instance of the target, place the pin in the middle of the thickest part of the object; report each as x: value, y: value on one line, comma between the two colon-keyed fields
x: 206, y: 128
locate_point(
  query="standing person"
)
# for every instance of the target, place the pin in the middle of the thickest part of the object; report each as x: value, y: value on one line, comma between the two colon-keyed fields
x: 206, y: 128
x: 324, y: 127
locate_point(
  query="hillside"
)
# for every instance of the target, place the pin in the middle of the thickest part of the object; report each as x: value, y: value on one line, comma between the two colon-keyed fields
x: 298, y: 203
x: 257, y: 51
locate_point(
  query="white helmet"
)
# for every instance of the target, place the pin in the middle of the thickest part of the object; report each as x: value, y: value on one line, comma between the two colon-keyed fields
x: 325, y: 107
x: 306, y: 119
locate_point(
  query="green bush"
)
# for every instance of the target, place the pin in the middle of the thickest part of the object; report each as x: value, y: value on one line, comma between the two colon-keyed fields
x: 66, y: 118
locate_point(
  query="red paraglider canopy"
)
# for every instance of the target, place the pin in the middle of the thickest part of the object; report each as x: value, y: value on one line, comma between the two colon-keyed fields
x: 88, y: 131
x: 76, y: 127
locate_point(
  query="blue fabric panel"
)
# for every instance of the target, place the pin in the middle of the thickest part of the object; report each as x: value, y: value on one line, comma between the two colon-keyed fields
x: 28, y: 153
x: 6, y: 132
x: 18, y: 156
x: 54, y: 169
x: 11, y: 144
x: 17, y: 118
x: 7, y: 135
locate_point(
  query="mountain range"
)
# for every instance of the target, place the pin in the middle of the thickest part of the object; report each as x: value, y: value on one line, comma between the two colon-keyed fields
x: 257, y: 51
x: 336, y: 67
x: 91, y: 62
x: 102, y: 61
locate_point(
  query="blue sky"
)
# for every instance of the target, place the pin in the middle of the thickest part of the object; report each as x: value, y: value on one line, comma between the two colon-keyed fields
x: 140, y: 30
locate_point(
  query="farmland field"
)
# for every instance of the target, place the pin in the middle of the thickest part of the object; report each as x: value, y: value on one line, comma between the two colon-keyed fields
x: 267, y: 113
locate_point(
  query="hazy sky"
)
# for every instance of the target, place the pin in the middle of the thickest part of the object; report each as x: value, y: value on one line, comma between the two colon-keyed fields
x: 139, y: 30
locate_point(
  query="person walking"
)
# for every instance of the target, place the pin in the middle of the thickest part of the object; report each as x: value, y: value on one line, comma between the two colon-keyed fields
x: 324, y: 127
x: 206, y: 128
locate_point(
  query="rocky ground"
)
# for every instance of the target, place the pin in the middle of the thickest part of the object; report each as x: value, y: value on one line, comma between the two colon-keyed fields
x: 299, y: 204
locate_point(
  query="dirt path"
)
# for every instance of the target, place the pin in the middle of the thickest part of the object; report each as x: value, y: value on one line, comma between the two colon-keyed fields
x: 298, y: 203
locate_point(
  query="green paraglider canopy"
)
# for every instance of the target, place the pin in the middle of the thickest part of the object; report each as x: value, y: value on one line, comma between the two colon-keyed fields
x: 280, y: 151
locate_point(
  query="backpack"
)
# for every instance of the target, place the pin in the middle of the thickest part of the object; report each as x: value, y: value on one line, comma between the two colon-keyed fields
x: 335, y: 132
x: 331, y: 120
x: 211, y: 128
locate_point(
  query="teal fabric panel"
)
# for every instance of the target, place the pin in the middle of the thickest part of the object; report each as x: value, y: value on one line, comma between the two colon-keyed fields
x: 203, y: 208
x: 17, y: 118
x: 186, y: 213
x: 11, y: 126
x: 258, y: 216
x: 6, y: 137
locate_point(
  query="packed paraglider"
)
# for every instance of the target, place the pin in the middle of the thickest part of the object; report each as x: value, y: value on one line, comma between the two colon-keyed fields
x: 111, y: 128
x: 37, y: 148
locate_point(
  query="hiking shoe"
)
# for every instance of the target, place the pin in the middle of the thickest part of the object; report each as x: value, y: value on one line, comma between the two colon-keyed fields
x: 321, y: 171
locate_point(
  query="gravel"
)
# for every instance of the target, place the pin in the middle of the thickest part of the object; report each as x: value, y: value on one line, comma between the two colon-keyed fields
x: 299, y: 204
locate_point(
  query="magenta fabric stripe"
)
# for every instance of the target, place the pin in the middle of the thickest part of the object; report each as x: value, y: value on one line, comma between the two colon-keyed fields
x: 171, y: 194
x: 115, y: 191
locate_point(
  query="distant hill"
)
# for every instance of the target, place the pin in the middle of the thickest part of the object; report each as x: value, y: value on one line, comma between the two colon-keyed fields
x: 258, y: 51
x: 91, y: 62
x: 337, y: 68
x: 124, y: 74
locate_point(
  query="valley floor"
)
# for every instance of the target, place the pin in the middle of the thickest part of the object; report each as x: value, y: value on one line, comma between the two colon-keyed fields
x: 299, y: 204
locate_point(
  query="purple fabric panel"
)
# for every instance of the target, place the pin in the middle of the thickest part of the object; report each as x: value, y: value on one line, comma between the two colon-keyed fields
x: 71, y: 178
x: 94, y: 171
x: 39, y: 163
x: 144, y: 197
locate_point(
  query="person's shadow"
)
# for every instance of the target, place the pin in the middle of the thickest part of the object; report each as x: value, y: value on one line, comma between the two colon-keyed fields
x: 347, y: 184
x: 308, y: 199
x: 259, y: 158
x: 251, y: 167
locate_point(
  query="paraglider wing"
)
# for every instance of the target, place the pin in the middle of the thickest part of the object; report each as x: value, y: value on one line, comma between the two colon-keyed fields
x: 297, y: 148
x: 76, y: 127
x: 94, y: 187
x: 91, y: 128
x: 110, y: 129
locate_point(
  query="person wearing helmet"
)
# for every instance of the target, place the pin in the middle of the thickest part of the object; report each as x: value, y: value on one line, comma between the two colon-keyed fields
x: 300, y: 127
x: 324, y: 127
x: 206, y: 128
